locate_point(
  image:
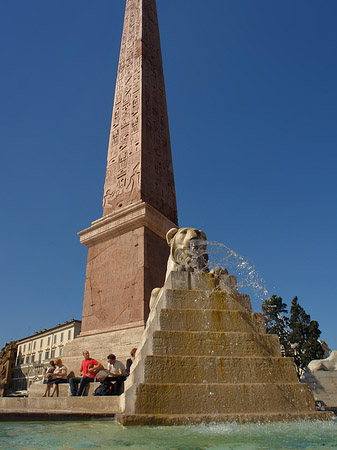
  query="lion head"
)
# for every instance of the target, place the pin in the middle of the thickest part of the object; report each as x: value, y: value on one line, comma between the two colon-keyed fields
x: 187, y: 250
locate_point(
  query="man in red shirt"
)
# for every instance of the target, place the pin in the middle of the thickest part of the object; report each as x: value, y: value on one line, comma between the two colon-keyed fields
x: 89, y: 368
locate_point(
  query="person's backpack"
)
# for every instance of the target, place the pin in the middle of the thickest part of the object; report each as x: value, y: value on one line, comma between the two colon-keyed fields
x: 104, y: 389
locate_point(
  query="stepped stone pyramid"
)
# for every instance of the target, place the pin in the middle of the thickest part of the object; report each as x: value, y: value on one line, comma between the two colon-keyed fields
x: 205, y: 357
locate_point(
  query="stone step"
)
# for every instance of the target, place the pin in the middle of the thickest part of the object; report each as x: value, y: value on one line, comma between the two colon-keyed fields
x: 211, y: 320
x: 188, y: 419
x: 37, y: 389
x: 207, y: 343
x: 192, y: 369
x: 182, y: 299
x: 57, y: 405
x: 222, y: 398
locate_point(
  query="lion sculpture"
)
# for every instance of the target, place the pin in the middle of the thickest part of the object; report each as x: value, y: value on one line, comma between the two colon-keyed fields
x: 187, y: 253
x: 329, y: 363
x: 187, y: 250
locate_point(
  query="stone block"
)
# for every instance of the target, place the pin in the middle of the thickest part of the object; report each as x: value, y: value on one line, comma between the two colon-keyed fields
x: 218, y: 369
x: 58, y: 405
x: 222, y: 398
x: 209, y: 320
x: 205, y: 343
x: 194, y: 299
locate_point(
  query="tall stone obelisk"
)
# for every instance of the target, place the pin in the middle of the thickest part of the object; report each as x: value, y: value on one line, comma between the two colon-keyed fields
x: 127, y: 248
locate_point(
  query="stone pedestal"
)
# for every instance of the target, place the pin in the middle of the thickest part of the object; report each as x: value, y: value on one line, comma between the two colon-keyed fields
x: 126, y: 260
x: 323, y: 385
x: 205, y: 357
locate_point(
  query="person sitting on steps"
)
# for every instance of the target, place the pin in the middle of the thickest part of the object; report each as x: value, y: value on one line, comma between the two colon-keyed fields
x: 89, y: 368
x: 59, y: 376
x: 47, y: 375
x: 130, y: 360
x: 117, y: 373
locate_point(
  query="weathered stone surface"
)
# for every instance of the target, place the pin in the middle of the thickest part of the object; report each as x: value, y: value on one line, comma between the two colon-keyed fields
x: 192, y: 299
x: 192, y: 419
x: 222, y: 398
x: 203, y: 343
x: 90, y: 405
x: 218, y: 369
x: 212, y: 320
x: 127, y: 248
x: 119, y: 342
x: 37, y: 390
x: 204, y: 281
x: 195, y: 364
x: 323, y: 385
x: 139, y: 163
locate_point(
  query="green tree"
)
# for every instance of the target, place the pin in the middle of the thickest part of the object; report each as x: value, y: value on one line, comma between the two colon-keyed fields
x: 298, y: 334
x: 277, y: 322
x: 303, y: 337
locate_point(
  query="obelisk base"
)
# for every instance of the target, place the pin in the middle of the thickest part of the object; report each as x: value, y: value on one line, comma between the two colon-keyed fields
x: 127, y: 258
x: 100, y: 345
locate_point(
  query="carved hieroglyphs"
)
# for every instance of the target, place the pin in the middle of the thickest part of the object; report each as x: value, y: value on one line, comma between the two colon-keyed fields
x: 139, y: 136
x: 127, y: 249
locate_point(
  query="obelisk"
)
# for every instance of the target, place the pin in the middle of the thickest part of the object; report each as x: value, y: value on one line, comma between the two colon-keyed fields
x: 127, y: 248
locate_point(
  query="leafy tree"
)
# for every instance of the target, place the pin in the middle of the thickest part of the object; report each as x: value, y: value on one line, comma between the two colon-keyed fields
x: 303, y: 337
x: 298, y: 334
x: 277, y: 322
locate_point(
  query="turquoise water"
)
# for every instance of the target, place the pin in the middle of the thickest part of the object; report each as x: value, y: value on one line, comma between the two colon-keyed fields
x: 106, y: 435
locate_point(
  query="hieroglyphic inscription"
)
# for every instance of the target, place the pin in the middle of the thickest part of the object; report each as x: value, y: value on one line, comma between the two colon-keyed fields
x: 139, y: 164
x: 123, y: 174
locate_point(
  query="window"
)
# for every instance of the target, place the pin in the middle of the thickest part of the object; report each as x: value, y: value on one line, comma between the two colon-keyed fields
x: 34, y: 345
x: 48, y: 343
x: 27, y: 359
x: 41, y: 343
x: 40, y: 357
x: 33, y: 358
x: 60, y: 351
x: 24, y: 348
x: 69, y: 335
x: 46, y: 355
x: 29, y: 347
x: 55, y: 336
x: 52, y: 353
x: 61, y: 337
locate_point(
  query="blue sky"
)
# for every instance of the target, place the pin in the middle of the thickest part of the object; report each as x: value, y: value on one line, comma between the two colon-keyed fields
x: 252, y: 100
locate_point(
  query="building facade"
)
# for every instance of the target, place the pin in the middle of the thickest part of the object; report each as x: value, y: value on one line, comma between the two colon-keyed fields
x: 34, y: 352
x: 7, y: 364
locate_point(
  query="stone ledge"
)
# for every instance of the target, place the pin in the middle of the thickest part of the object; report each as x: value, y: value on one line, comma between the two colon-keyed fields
x: 194, y: 419
x: 136, y: 215
x: 36, y: 390
x: 19, y: 416
x: 87, y: 406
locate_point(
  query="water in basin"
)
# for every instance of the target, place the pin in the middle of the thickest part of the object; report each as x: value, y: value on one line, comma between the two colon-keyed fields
x: 107, y: 435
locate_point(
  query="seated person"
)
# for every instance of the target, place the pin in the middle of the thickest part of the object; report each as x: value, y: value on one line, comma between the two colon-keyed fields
x: 48, y: 372
x: 130, y: 360
x: 117, y: 373
x: 88, y: 370
x: 59, y: 376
